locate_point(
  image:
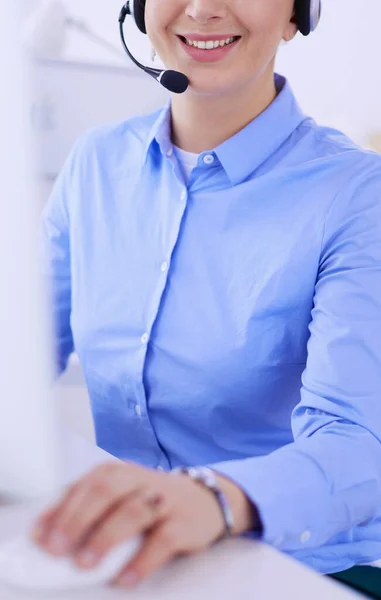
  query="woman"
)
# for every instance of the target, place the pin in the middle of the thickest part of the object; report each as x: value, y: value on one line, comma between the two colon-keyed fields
x: 217, y: 267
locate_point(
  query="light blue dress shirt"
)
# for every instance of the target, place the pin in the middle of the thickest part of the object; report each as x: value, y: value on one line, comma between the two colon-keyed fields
x: 235, y: 320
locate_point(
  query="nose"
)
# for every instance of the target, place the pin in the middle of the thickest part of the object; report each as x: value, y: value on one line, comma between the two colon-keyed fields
x: 205, y: 11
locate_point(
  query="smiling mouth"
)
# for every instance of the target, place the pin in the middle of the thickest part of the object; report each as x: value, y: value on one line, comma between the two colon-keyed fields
x: 209, y: 44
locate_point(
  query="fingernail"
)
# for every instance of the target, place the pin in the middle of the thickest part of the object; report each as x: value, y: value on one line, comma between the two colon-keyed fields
x: 129, y: 579
x: 88, y: 559
x: 58, y: 543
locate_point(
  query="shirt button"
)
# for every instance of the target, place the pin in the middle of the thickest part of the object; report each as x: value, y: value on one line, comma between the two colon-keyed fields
x: 164, y: 266
x: 183, y: 196
x: 138, y: 410
x: 305, y: 537
x: 279, y: 541
x: 160, y: 468
x: 144, y: 338
x: 170, y: 152
x: 208, y: 159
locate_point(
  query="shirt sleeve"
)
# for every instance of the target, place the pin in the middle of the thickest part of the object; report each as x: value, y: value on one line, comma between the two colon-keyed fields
x: 55, y: 252
x: 329, y: 479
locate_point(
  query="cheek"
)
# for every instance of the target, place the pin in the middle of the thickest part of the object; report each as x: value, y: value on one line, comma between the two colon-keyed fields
x: 264, y: 48
x: 153, y: 21
x: 263, y: 40
x: 159, y: 16
x: 265, y: 21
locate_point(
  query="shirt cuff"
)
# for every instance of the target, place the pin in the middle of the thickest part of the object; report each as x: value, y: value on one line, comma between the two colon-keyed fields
x: 283, y: 488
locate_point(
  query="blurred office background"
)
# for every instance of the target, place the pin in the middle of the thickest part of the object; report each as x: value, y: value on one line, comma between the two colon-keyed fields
x: 335, y: 74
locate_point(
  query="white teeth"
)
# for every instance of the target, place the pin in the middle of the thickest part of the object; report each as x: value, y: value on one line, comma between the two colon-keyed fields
x: 210, y: 45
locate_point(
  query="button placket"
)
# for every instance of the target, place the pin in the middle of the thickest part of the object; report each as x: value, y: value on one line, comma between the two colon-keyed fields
x: 164, y: 267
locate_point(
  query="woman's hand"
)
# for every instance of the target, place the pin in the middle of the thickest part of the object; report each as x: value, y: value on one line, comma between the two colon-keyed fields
x: 118, y: 501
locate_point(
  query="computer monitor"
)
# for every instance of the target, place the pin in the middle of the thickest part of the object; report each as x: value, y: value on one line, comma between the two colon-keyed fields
x: 29, y: 432
x: 29, y: 464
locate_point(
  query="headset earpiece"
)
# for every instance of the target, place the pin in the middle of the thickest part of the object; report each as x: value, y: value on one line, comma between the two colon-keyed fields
x: 307, y: 15
x: 139, y: 11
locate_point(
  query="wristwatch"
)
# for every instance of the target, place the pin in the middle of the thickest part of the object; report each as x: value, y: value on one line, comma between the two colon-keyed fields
x: 208, y: 479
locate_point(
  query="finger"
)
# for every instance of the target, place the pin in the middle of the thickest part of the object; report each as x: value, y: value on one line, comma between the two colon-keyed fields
x: 44, y: 519
x: 43, y: 524
x: 160, y: 547
x: 88, y: 503
x: 130, y: 518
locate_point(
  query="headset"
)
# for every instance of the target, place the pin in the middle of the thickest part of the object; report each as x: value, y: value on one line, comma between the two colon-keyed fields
x: 307, y: 17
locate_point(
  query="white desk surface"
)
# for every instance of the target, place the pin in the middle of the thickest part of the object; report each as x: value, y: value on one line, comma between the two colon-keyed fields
x: 236, y: 570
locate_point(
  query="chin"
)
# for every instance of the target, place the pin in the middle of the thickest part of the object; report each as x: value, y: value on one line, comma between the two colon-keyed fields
x: 210, y: 89
x: 204, y: 82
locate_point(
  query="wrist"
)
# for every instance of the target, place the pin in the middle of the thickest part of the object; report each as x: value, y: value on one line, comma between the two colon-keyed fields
x: 245, y: 514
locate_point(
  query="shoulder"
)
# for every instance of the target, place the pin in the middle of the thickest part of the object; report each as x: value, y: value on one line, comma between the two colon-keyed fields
x: 341, y: 177
x: 336, y: 151
x: 108, y: 140
x: 104, y: 152
x: 338, y: 167
x: 354, y: 209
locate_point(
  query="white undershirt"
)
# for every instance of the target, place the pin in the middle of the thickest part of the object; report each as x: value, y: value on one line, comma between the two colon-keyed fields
x: 187, y: 160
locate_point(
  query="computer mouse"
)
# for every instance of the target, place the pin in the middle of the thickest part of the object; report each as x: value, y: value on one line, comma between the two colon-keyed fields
x: 24, y: 565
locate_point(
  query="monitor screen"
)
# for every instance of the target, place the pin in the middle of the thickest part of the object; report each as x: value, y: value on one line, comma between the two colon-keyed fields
x: 28, y: 439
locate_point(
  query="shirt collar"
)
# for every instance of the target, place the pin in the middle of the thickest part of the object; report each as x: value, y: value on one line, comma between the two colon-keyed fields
x: 248, y: 149
x: 161, y: 131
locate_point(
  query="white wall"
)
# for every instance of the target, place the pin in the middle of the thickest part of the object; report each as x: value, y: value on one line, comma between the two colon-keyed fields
x: 102, y: 16
x: 336, y: 73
